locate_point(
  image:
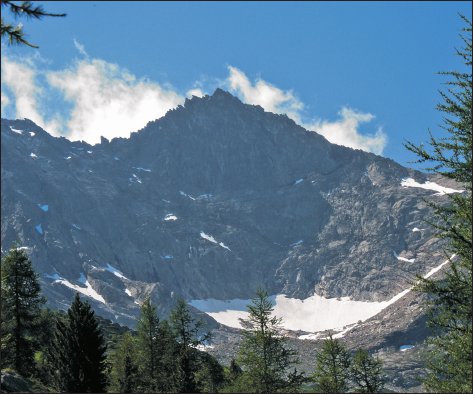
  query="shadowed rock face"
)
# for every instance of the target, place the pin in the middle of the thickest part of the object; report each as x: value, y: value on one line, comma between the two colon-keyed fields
x: 211, y: 201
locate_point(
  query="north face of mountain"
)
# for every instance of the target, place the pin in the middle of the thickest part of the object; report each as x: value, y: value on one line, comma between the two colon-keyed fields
x: 213, y: 200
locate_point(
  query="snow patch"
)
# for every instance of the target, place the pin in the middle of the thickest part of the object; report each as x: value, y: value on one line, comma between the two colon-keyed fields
x: 135, y: 179
x: 88, y: 290
x: 213, y: 240
x: 76, y: 226
x: 441, y: 190
x: 208, y: 237
x: 68, y: 158
x: 298, y: 181
x: 224, y: 246
x: 170, y: 216
x: 89, y: 152
x: 128, y: 292
x: 297, y: 243
x: 203, y: 348
x: 186, y: 195
x: 415, y: 229
x: 115, y: 272
x: 403, y: 258
x: 142, y: 169
x: 312, y: 337
x: 44, y: 207
x: 33, y: 155
x: 168, y: 257
x: 16, y: 130
x: 313, y: 314
x: 39, y: 229
x: 403, y: 348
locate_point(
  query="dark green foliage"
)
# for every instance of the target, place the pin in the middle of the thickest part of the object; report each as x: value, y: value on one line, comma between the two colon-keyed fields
x: 156, y: 352
x: 366, y: 373
x: 15, y: 34
x: 78, y: 353
x: 44, y: 336
x: 124, y: 377
x: 233, y: 371
x: 332, y: 374
x: 211, y: 376
x: 450, y: 299
x: 263, y: 353
x: 21, y: 304
x: 186, y: 332
x: 149, y: 345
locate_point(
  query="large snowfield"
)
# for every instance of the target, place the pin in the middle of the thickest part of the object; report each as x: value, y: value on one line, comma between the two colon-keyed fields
x: 312, y: 314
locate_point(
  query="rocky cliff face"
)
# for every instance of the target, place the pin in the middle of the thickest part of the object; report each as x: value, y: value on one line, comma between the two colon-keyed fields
x: 213, y: 200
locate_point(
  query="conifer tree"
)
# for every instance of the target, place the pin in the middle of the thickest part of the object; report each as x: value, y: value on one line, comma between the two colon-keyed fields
x: 211, y: 375
x: 21, y: 303
x: 366, y: 373
x: 148, y: 344
x: 264, y: 355
x: 124, y: 373
x: 332, y: 374
x: 450, y: 298
x: 15, y: 34
x: 234, y: 371
x: 78, y: 353
x: 187, y: 334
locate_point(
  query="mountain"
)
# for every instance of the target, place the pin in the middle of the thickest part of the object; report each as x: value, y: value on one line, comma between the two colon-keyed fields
x: 210, y: 202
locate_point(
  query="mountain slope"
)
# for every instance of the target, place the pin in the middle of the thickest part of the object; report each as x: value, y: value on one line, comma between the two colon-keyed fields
x: 211, y: 201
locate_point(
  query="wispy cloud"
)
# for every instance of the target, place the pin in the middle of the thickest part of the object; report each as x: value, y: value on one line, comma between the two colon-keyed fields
x: 80, y: 48
x: 20, y: 77
x: 5, y: 101
x: 107, y: 100
x: 262, y: 93
x: 343, y: 131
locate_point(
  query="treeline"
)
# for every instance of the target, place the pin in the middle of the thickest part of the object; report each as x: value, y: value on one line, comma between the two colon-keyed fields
x: 68, y: 352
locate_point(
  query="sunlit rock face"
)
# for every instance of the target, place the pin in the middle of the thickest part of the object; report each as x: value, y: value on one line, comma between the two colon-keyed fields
x: 212, y: 201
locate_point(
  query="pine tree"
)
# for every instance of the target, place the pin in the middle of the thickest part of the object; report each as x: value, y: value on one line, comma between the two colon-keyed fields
x: 366, y: 373
x: 78, y: 353
x: 450, y: 299
x: 234, y: 371
x: 332, y: 373
x: 263, y: 353
x: 124, y: 376
x: 15, y: 34
x: 186, y: 332
x: 211, y: 375
x: 21, y: 303
x: 148, y: 344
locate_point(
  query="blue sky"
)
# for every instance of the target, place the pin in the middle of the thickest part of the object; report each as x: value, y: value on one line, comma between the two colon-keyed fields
x: 361, y: 73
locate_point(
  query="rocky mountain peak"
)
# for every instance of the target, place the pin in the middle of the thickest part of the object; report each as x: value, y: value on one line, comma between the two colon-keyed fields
x: 212, y: 200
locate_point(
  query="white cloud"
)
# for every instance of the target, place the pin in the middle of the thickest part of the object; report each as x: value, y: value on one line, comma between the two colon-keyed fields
x: 344, y: 131
x: 108, y: 100
x: 5, y: 101
x: 262, y: 93
x: 197, y: 92
x: 21, y: 80
x: 80, y: 48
